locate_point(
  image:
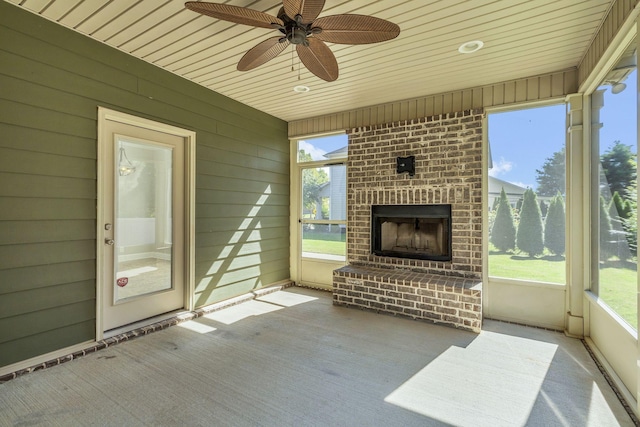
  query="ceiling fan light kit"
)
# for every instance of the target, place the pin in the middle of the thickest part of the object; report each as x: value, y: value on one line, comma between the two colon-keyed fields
x: 299, y: 25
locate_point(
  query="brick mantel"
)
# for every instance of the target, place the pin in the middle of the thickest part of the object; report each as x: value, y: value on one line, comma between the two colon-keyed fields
x: 448, y: 160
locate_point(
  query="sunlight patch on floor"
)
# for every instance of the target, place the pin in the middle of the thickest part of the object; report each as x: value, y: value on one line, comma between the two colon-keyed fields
x: 242, y: 311
x: 195, y: 326
x: 286, y: 299
x: 465, y: 384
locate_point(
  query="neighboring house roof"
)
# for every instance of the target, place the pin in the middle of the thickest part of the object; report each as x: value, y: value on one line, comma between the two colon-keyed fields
x: 496, y: 185
x: 340, y: 152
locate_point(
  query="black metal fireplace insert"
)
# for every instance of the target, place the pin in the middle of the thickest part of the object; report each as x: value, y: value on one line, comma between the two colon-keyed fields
x: 411, y: 231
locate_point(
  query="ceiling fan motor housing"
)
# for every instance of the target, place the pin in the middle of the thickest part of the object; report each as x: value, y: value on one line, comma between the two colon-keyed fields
x: 294, y: 30
x: 297, y: 35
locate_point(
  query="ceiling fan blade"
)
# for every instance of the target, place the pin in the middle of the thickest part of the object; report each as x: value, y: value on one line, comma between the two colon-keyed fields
x: 236, y: 14
x: 319, y: 59
x: 355, y: 29
x: 308, y: 9
x: 261, y: 53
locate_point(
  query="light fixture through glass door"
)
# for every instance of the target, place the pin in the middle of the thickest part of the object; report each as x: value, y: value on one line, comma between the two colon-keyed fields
x: 125, y: 167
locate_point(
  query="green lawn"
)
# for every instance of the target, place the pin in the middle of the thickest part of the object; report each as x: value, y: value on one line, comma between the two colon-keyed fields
x: 543, y: 269
x: 322, y: 242
x: 618, y: 282
x: 618, y: 288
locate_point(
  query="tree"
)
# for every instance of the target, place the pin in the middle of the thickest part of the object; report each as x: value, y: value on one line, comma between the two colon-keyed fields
x: 619, y: 167
x: 617, y: 207
x: 529, y: 237
x: 313, y: 180
x: 496, y: 202
x: 629, y: 207
x: 544, y: 209
x: 606, y: 240
x: 503, y: 233
x: 554, y: 226
x: 630, y: 223
x: 551, y: 178
x: 619, y: 211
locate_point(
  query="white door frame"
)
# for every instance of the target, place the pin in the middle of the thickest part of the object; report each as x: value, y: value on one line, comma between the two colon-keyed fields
x: 298, y: 263
x: 104, y: 115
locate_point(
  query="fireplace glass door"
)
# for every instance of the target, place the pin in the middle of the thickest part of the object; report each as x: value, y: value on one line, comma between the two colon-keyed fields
x: 412, y: 231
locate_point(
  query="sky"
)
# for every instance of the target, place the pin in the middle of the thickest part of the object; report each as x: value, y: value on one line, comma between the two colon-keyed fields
x: 521, y: 140
x: 317, y: 147
x: 618, y: 115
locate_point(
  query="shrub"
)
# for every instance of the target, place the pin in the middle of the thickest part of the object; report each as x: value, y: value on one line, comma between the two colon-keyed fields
x: 554, y: 226
x: 529, y: 238
x: 503, y: 233
x: 544, y: 209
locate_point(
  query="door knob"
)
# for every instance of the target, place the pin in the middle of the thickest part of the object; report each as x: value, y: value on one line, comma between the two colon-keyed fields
x: 109, y: 242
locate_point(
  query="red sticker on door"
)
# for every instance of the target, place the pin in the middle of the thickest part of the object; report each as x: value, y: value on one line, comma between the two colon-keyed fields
x: 122, y: 282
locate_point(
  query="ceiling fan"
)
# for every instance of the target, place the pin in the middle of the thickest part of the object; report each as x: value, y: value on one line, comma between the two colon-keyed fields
x: 299, y: 24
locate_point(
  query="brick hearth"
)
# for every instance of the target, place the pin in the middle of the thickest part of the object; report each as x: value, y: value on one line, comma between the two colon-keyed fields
x: 448, y: 154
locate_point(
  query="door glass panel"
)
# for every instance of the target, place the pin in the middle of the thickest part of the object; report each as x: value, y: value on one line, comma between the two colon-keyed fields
x: 143, y: 244
x: 324, y: 212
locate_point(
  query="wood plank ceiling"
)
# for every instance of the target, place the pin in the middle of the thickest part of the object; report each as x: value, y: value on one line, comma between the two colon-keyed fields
x: 521, y: 38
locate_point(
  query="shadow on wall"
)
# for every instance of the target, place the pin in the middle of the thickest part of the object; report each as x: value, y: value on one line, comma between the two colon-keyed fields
x: 233, y: 255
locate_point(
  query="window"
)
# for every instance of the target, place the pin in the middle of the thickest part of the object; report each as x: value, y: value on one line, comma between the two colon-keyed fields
x: 614, y: 188
x: 323, y: 174
x: 526, y: 199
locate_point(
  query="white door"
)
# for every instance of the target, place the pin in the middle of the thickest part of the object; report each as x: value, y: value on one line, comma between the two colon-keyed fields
x: 142, y: 225
x: 319, y: 216
x: 323, y: 223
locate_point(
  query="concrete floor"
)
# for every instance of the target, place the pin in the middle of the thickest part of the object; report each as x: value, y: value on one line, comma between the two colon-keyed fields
x: 293, y: 359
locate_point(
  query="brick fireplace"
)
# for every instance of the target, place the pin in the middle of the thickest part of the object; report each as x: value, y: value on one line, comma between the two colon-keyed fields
x: 448, y: 172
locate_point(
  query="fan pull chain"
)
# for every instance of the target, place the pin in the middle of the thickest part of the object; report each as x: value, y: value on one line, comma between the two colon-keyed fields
x: 293, y: 63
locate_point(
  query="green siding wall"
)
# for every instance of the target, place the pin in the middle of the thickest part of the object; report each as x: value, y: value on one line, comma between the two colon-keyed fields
x: 51, y: 82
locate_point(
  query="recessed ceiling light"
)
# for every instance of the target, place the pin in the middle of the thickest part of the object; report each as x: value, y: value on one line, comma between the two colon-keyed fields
x: 470, y: 47
x: 301, y: 89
